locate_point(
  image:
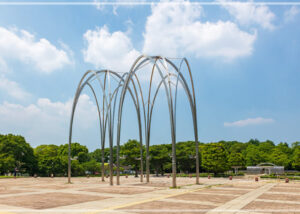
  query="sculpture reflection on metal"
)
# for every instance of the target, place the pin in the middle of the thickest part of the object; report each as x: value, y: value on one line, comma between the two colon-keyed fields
x: 162, y: 74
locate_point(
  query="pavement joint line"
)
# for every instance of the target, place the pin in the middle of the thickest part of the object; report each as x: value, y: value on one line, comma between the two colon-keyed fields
x: 147, y: 200
x: 282, y: 193
x: 234, y: 188
x: 219, y: 194
x: 277, y: 201
x: 240, y: 202
x: 192, y: 202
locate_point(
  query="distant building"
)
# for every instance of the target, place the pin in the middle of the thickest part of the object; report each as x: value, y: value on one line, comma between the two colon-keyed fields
x: 265, y: 168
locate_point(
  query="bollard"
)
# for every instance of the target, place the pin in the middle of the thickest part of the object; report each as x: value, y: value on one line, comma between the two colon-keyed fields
x: 126, y: 176
x: 52, y: 176
x: 190, y: 175
x: 230, y: 177
x: 256, y: 178
x: 88, y: 176
x: 208, y: 177
x: 168, y: 176
x: 286, y: 180
x: 35, y: 175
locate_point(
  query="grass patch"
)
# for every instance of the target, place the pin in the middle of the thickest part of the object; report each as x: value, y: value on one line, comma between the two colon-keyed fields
x: 5, y: 176
x: 281, y: 177
x: 178, y: 187
x: 218, y: 175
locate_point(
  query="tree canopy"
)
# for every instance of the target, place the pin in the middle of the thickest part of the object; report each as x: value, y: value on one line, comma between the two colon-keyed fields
x: 15, y: 152
x: 215, y: 157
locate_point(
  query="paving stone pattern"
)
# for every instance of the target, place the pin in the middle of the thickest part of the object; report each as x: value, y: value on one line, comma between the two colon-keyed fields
x: 91, y: 195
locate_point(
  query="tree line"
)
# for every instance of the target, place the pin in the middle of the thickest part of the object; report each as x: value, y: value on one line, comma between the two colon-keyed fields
x: 215, y: 157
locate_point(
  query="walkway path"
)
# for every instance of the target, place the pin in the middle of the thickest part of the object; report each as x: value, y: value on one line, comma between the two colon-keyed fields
x: 241, y: 201
x: 216, y: 195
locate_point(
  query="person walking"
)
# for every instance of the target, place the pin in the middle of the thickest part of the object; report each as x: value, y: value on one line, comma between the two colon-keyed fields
x: 15, y: 172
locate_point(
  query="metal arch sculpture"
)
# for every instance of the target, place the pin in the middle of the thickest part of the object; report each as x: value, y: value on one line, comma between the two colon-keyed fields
x: 160, y: 64
x: 107, y: 116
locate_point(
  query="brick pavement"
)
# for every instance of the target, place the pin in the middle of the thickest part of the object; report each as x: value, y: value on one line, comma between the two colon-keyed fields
x: 90, y: 195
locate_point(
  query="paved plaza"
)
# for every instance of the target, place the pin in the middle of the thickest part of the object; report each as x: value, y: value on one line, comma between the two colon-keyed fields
x: 90, y: 195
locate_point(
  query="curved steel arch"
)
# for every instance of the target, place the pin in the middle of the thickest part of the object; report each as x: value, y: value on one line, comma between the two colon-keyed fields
x: 106, y: 118
x: 132, y: 77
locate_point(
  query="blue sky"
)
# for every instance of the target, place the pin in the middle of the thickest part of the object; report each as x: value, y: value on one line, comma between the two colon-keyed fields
x: 244, y: 59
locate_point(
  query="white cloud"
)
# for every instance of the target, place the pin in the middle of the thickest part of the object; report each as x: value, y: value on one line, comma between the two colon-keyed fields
x: 171, y: 30
x: 115, y: 4
x: 21, y: 45
x: 3, y: 67
x: 13, y: 89
x: 46, y: 121
x: 289, y: 15
x: 247, y: 13
x: 109, y: 50
x: 9, y: 87
x: 249, y: 121
x: 175, y: 30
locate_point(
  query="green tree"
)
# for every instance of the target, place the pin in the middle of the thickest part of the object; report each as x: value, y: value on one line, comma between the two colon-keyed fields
x: 77, y: 169
x: 253, y: 156
x: 295, y: 145
x: 265, y: 149
x: 284, y: 147
x: 92, y: 166
x: 214, y: 157
x: 131, y: 153
x: 185, y: 156
x: 15, y: 147
x: 254, y: 142
x: 279, y: 158
x: 231, y: 146
x: 83, y: 157
x: 48, y: 159
x: 159, y: 157
x: 79, y: 155
x: 7, y: 163
x: 78, y: 151
x: 97, y: 154
x: 237, y: 147
x: 296, y: 158
x: 236, y: 159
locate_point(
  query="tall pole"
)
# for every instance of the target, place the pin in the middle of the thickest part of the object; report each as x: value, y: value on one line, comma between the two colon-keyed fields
x: 111, y: 166
x: 118, y: 164
x: 196, y: 144
x: 147, y: 159
x: 102, y: 165
x: 197, y: 162
x: 173, y: 132
x: 69, y: 164
x: 173, y: 165
x: 141, y: 154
